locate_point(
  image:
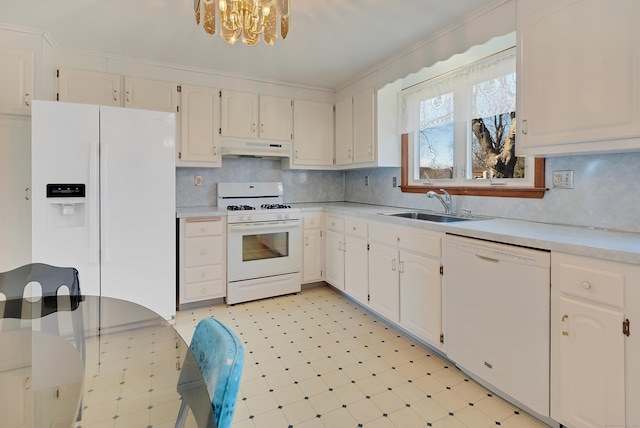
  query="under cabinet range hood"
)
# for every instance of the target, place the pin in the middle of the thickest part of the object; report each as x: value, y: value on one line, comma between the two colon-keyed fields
x: 256, y: 149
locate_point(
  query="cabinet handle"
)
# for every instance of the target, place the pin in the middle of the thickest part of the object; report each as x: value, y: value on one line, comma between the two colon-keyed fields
x: 203, y: 252
x: 27, y: 100
x: 296, y: 152
x: 393, y: 264
x: 115, y: 95
x: 253, y: 127
x: 262, y: 128
x: 204, y: 291
x: 340, y: 246
x: 585, y: 284
x: 397, y: 239
x: 215, y: 150
x: 524, y: 126
x: 203, y: 229
x: 204, y: 274
x: 349, y: 155
x: 565, y: 317
x: 26, y: 191
x: 401, y: 267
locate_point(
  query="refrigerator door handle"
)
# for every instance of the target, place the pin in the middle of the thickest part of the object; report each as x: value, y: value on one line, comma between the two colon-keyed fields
x: 94, y: 203
x: 104, y: 205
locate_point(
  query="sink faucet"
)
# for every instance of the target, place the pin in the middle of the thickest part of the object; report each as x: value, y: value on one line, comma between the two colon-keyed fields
x: 446, y: 201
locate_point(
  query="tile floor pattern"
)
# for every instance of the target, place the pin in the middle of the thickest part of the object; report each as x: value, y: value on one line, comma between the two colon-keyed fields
x: 315, y: 359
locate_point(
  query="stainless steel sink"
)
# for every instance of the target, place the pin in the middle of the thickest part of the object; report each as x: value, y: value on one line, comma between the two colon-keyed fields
x: 438, y: 218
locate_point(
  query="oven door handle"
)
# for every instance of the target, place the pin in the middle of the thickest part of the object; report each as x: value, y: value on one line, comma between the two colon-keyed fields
x: 262, y: 226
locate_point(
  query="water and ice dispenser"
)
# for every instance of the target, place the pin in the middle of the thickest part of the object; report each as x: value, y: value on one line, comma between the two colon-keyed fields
x: 66, y: 205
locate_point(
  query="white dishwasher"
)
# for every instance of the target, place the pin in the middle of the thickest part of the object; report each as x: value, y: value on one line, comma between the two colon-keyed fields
x: 497, y: 316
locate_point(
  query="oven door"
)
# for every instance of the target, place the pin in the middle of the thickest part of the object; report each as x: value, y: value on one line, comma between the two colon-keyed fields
x: 261, y: 249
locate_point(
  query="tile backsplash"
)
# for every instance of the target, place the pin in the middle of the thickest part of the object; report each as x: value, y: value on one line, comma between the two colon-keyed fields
x: 605, y: 194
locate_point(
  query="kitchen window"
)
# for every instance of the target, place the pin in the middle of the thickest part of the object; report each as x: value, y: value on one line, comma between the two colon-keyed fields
x: 459, y: 133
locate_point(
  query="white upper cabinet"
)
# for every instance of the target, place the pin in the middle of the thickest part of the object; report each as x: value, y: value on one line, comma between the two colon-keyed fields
x: 199, y: 113
x: 578, y: 76
x: 355, y: 129
x: 249, y: 115
x: 89, y: 87
x: 276, y: 115
x: 239, y: 117
x: 364, y: 133
x: 344, y: 132
x: 150, y: 94
x: 312, y: 134
x: 16, y: 81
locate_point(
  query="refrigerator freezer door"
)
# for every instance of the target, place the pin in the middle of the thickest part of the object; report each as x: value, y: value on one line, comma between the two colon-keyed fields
x: 137, y: 164
x: 65, y: 150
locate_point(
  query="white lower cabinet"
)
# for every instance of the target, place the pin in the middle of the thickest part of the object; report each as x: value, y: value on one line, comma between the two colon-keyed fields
x: 202, y: 259
x: 356, y: 281
x: 334, y: 252
x: 405, y: 283
x: 312, y: 247
x: 594, y: 353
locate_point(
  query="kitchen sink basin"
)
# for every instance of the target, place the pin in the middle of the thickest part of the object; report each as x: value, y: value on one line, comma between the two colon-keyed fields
x: 438, y: 218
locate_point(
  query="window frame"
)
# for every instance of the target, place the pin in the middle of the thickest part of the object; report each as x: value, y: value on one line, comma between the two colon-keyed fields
x: 536, y: 191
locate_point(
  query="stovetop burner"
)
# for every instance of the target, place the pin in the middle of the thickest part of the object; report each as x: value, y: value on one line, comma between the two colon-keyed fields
x: 240, y: 207
x: 274, y: 206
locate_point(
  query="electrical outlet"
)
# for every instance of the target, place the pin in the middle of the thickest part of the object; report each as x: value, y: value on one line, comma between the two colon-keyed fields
x: 366, y: 180
x: 197, y: 180
x: 395, y: 182
x: 562, y: 179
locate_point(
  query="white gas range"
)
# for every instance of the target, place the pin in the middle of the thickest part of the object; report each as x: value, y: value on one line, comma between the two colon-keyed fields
x: 264, y: 241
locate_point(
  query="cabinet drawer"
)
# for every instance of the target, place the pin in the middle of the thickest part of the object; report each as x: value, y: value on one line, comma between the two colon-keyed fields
x: 312, y: 220
x: 590, y: 279
x: 203, y: 227
x: 408, y: 239
x: 205, y: 290
x: 204, y: 273
x: 335, y: 224
x: 202, y: 251
x: 356, y: 228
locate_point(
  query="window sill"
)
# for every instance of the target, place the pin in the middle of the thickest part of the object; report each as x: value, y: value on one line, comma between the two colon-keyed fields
x: 499, y: 191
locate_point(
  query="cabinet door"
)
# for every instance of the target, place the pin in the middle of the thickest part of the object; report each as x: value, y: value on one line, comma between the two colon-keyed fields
x: 312, y: 133
x: 356, y: 265
x: 421, y: 296
x: 334, y: 269
x: 276, y: 115
x: 16, y: 81
x: 312, y: 255
x: 384, y: 282
x: 578, y: 69
x: 239, y: 114
x: 88, y: 87
x: 199, y: 126
x: 363, y: 126
x: 15, y: 191
x: 588, y: 373
x: 150, y: 94
x: 344, y: 132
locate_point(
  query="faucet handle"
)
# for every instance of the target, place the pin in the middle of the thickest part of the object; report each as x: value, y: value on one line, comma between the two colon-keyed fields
x: 447, y: 196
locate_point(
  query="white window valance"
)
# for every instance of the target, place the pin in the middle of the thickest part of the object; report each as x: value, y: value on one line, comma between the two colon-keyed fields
x: 488, y: 99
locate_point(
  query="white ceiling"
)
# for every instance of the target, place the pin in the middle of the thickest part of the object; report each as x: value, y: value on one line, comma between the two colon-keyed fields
x: 330, y: 41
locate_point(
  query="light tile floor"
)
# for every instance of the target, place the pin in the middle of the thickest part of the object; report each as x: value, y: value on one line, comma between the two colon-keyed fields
x: 316, y: 359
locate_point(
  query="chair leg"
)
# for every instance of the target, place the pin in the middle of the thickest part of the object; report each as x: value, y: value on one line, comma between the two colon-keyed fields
x: 182, y: 414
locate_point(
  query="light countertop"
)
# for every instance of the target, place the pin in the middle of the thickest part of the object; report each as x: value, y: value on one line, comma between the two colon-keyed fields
x: 598, y: 243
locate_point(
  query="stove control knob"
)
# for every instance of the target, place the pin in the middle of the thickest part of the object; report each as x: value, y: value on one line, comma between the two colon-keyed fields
x: 286, y: 216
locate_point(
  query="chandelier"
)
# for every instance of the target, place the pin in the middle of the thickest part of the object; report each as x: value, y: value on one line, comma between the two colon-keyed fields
x: 244, y: 18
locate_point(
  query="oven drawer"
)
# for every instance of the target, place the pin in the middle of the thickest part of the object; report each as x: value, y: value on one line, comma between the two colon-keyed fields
x: 203, y: 251
x: 203, y: 227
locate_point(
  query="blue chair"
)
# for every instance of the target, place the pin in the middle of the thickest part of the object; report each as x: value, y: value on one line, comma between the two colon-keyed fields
x: 217, y: 357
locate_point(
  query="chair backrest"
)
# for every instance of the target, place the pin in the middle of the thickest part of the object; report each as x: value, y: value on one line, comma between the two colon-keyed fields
x: 220, y: 358
x: 51, y: 280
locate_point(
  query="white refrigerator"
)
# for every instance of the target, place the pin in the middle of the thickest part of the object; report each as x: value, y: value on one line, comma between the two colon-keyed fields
x: 103, y: 186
